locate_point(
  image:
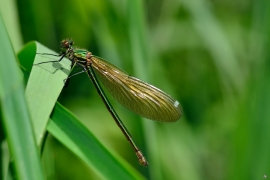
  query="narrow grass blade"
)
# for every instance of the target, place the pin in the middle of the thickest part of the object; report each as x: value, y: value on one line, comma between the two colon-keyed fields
x: 67, y: 129
x: 15, y: 116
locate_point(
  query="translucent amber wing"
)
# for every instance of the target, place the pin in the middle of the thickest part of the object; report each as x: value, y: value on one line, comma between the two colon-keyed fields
x: 136, y: 95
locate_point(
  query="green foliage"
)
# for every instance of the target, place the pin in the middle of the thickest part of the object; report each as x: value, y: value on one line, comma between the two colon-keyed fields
x: 212, y: 56
x: 15, y: 119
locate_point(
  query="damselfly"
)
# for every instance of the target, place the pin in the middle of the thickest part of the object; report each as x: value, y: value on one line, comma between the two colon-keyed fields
x: 134, y: 94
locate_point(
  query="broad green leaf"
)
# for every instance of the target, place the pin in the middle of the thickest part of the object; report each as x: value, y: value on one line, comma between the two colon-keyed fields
x: 44, y: 86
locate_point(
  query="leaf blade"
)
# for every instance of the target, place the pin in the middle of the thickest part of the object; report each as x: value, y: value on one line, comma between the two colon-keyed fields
x: 15, y: 115
x: 43, y: 88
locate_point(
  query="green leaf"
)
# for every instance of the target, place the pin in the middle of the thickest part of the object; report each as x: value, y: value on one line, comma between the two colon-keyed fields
x: 68, y: 130
x: 44, y: 86
x: 15, y: 117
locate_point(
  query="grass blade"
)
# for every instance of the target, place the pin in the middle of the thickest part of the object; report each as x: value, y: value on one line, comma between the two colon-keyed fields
x: 68, y: 130
x: 15, y: 116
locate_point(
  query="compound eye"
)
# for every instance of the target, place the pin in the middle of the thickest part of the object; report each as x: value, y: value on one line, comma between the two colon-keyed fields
x: 65, y: 44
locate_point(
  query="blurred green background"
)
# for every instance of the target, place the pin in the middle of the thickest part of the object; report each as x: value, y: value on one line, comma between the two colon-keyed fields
x: 212, y: 56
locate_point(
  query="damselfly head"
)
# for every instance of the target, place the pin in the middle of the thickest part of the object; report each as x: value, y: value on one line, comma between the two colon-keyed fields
x: 66, y: 44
